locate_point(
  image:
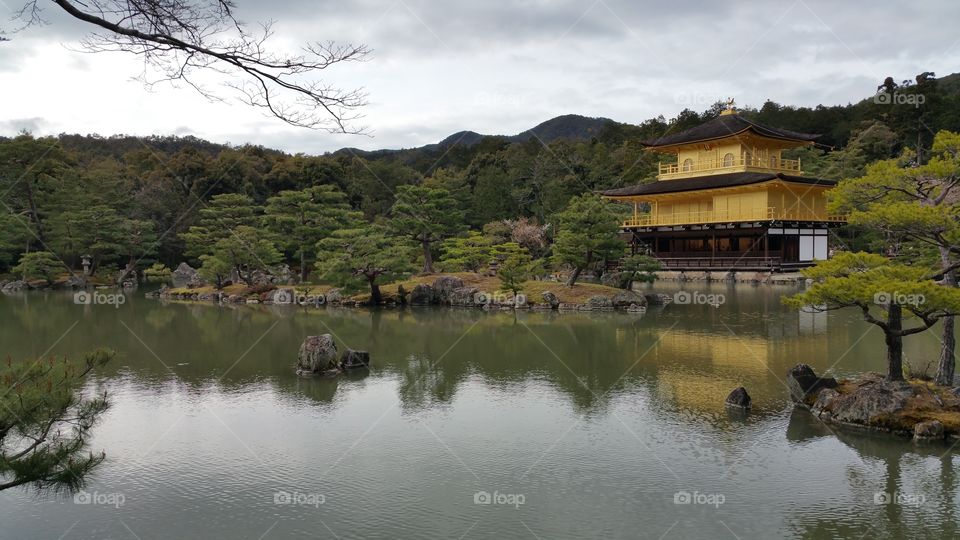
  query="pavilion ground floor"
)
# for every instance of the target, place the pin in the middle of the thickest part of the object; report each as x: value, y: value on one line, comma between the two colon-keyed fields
x: 772, y: 246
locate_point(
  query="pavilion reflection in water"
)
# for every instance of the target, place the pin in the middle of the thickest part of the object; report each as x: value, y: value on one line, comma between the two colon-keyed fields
x: 697, y: 368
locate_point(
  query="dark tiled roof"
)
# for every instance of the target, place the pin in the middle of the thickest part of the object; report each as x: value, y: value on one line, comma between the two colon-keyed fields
x: 712, y: 182
x: 725, y: 126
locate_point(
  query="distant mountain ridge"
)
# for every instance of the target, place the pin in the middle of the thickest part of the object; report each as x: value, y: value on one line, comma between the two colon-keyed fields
x: 567, y: 126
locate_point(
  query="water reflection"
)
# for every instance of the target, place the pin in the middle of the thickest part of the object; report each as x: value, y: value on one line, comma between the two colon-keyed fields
x: 905, y: 489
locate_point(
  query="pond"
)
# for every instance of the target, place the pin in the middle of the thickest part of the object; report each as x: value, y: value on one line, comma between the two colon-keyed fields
x: 477, y: 425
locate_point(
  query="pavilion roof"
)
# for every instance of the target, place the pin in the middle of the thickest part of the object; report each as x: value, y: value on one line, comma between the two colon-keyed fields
x: 727, y: 125
x: 713, y: 181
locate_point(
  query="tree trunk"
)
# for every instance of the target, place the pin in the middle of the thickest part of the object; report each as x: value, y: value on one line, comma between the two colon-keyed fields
x: 303, y: 265
x: 894, y: 340
x: 375, y: 297
x: 948, y: 361
x: 577, y: 269
x: 427, y: 258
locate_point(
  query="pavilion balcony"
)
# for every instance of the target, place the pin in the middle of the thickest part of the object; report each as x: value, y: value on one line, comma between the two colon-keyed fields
x: 734, y: 164
x: 727, y: 216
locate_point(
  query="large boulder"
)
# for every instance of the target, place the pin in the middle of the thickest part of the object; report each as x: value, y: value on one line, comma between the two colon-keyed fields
x: 444, y: 286
x: 463, y: 296
x: 318, y: 354
x: 738, y: 398
x: 422, y: 295
x: 803, y: 383
x: 352, y: 359
x: 184, y: 272
x: 625, y: 299
x: 282, y: 296
x: 600, y: 303
x: 551, y: 299
x: 869, y: 403
x: 14, y: 286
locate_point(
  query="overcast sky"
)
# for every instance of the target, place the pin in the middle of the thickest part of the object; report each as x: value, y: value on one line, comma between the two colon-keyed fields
x: 499, y: 67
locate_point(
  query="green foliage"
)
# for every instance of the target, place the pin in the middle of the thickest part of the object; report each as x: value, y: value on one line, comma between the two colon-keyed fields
x: 515, y: 266
x: 471, y: 253
x: 299, y: 219
x: 244, y: 251
x: 640, y: 268
x: 218, y: 219
x: 425, y: 216
x: 587, y: 233
x: 45, y: 425
x: 157, y: 271
x: 367, y: 253
x: 884, y: 291
x: 39, y: 265
x: 14, y: 236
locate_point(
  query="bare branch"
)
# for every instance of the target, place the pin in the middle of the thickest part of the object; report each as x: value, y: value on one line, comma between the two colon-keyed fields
x: 178, y: 39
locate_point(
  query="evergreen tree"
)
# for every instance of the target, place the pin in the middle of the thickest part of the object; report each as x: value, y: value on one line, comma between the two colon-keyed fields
x: 587, y: 234
x: 425, y: 216
x: 39, y: 265
x: 44, y: 423
x: 218, y: 219
x: 299, y: 219
x: 886, y: 293
x: 367, y: 253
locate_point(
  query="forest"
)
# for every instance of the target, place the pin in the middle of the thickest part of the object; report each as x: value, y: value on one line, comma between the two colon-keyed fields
x: 131, y: 204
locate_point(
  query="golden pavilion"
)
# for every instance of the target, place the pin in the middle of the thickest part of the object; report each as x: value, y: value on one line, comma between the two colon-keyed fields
x: 730, y: 201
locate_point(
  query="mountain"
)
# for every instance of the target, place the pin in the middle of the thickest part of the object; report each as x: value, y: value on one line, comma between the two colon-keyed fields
x: 571, y: 127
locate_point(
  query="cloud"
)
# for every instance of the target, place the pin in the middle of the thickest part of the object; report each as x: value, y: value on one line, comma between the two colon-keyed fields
x: 34, y: 125
x: 501, y: 67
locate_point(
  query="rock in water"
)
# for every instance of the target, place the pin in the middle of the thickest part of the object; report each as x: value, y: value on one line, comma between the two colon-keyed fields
x: 870, y: 403
x: 739, y: 398
x: 931, y: 430
x: 318, y: 354
x: 352, y: 359
x: 658, y: 299
x: 803, y: 382
x: 551, y: 299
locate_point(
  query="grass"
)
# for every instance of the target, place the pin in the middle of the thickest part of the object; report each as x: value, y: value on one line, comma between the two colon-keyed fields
x: 578, y: 294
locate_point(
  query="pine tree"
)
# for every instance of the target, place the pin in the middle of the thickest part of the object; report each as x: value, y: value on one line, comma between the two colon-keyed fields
x: 425, y: 215
x: 588, y: 233
x: 45, y: 424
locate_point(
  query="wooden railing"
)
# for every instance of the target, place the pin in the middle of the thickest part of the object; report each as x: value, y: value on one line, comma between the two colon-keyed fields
x: 729, y: 262
x: 727, y: 216
x: 737, y: 162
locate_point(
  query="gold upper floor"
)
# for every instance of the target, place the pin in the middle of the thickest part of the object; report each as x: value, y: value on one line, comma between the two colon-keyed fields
x: 741, y: 153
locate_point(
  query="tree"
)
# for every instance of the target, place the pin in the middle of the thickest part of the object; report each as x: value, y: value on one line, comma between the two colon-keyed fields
x: 183, y: 41
x: 45, y: 424
x: 640, y: 268
x: 301, y: 218
x: 366, y: 252
x: 425, y: 215
x: 472, y: 253
x: 244, y: 252
x: 218, y: 220
x: 514, y: 267
x: 588, y: 230
x: 919, y: 205
x: 14, y: 238
x: 97, y: 230
x: 886, y: 293
x: 39, y: 265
